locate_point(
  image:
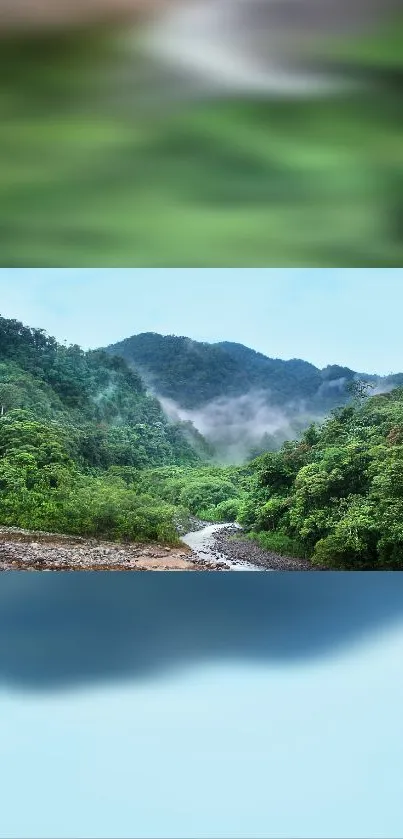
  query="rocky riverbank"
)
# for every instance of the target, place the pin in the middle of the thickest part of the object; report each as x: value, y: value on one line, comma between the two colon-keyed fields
x: 230, y: 542
x: 25, y: 550
x: 225, y: 549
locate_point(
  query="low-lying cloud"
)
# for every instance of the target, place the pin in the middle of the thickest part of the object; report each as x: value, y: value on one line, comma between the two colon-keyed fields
x: 381, y: 389
x: 236, y: 425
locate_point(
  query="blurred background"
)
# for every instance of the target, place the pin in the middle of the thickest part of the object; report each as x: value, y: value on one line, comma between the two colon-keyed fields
x: 201, y: 133
x: 201, y: 706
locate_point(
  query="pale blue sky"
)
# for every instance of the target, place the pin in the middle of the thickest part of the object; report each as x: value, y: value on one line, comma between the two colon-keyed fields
x: 346, y: 316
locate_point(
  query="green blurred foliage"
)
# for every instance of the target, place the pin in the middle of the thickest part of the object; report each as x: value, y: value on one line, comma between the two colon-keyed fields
x: 91, y: 175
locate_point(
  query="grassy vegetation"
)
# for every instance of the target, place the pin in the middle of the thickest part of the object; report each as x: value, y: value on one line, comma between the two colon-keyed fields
x: 280, y: 543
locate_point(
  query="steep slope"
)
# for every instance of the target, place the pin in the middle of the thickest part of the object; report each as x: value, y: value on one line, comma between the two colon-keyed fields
x: 91, y: 391
x: 77, y: 429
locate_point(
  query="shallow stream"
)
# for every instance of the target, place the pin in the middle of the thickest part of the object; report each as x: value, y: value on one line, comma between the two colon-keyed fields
x: 202, y: 543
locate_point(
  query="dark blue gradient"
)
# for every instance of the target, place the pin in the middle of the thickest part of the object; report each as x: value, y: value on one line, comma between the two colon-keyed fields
x: 62, y: 629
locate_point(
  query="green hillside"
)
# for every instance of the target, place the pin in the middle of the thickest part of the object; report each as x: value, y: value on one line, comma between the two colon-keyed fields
x: 337, y: 495
x: 73, y: 425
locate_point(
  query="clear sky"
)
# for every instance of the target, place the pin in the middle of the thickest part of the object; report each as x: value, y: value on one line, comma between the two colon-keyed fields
x: 345, y: 316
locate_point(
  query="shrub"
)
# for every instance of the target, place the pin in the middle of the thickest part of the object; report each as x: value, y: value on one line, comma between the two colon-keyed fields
x: 281, y: 543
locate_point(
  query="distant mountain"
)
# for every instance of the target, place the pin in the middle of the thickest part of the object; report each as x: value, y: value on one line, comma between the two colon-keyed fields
x: 239, y: 399
x: 192, y: 373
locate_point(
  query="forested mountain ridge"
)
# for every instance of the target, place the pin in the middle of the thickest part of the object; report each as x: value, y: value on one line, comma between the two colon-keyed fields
x: 178, y: 368
x: 87, y: 390
x: 193, y: 373
x: 76, y: 428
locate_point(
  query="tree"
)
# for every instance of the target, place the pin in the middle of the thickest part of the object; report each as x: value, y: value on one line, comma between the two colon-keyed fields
x: 10, y: 397
x: 359, y: 389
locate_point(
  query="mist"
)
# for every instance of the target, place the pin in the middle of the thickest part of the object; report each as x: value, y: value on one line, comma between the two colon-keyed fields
x: 243, y: 426
x: 236, y: 426
x: 381, y: 389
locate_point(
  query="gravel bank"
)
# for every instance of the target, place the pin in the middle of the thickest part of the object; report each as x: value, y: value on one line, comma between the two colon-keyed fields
x: 37, y: 551
x: 238, y: 548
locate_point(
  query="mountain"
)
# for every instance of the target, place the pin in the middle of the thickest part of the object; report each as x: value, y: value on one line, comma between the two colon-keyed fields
x: 186, y: 371
x: 193, y: 373
x: 239, y: 399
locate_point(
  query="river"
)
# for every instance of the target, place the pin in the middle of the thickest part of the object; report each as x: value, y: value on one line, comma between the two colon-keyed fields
x: 203, y: 544
x: 227, y: 544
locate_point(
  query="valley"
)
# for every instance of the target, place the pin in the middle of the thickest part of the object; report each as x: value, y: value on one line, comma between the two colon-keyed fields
x: 153, y: 458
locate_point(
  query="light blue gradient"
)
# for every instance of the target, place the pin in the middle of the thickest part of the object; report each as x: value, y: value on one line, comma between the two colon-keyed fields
x: 299, y: 750
x: 201, y: 706
x: 346, y: 316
